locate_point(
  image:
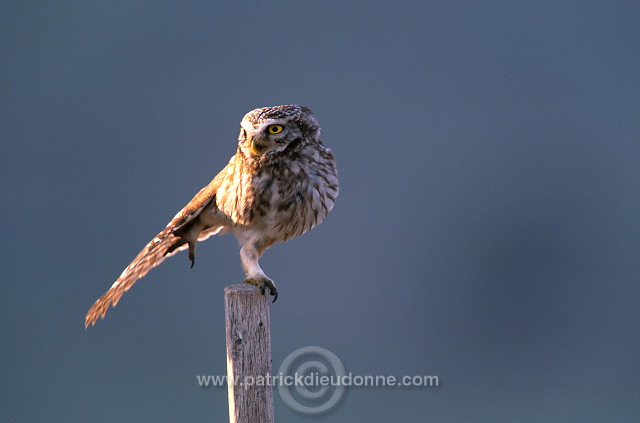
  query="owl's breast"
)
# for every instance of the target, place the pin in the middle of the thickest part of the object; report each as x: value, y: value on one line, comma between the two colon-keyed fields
x: 295, y: 202
x: 283, y: 200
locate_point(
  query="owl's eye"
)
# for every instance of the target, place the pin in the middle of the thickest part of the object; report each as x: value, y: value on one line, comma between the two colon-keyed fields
x: 275, y: 129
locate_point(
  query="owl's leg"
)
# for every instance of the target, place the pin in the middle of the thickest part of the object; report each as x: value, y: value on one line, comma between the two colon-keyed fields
x: 249, y: 255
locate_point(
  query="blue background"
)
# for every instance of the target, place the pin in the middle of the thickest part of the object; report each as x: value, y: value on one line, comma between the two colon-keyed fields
x: 487, y: 228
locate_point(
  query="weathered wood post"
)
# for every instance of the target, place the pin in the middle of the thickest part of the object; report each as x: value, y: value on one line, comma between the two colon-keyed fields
x: 248, y: 354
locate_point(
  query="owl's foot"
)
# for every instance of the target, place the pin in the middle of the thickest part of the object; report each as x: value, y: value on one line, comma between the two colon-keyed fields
x: 264, y: 283
x: 179, y: 243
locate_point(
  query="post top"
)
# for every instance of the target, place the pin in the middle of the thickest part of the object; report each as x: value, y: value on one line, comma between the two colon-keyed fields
x: 241, y: 287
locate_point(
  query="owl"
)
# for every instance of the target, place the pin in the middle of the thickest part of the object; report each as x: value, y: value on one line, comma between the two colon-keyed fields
x: 281, y: 182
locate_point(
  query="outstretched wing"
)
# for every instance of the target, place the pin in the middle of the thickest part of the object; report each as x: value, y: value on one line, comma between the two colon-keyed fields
x: 171, y: 240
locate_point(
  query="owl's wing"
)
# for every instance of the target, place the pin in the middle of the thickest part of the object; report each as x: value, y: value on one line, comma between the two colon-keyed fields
x: 172, y: 239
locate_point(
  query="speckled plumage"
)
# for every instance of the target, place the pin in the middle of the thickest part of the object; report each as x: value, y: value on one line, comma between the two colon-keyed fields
x: 280, y: 183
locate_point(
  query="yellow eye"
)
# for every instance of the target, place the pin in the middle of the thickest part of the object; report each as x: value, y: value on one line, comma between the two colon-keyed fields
x: 275, y: 129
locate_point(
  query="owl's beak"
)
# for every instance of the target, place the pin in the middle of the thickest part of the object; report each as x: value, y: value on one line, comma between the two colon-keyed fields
x: 257, y: 147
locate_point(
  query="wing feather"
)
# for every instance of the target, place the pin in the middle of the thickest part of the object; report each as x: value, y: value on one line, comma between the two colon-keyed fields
x: 156, y: 250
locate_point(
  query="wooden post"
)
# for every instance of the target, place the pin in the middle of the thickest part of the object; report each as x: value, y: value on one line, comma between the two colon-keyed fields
x: 248, y: 354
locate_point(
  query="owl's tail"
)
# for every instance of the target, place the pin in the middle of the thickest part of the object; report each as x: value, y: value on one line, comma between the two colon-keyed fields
x: 163, y: 245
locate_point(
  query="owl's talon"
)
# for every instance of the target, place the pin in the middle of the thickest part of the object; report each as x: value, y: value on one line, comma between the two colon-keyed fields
x: 272, y: 290
x: 192, y: 253
x: 263, y: 284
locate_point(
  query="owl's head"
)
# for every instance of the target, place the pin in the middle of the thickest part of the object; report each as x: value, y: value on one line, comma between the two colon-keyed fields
x: 271, y: 130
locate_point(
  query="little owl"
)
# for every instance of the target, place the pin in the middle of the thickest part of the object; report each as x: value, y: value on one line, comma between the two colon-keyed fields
x: 281, y: 182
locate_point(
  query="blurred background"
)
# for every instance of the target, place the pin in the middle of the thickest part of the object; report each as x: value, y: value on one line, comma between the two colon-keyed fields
x: 487, y: 228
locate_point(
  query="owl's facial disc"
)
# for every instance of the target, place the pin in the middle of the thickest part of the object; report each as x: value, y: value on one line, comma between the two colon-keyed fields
x: 264, y: 137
